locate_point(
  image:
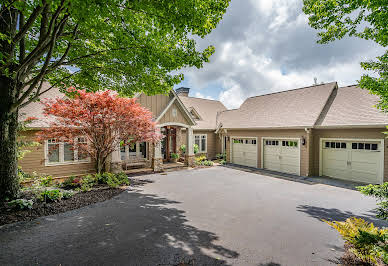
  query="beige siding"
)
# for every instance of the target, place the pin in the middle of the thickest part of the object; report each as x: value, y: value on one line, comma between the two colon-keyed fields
x: 304, y: 160
x: 34, y: 162
x: 349, y: 134
x: 179, y: 118
x: 155, y: 103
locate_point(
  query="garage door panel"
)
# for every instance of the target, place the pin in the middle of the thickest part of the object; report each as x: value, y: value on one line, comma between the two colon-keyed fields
x: 352, y: 161
x: 279, y: 157
x: 244, y: 151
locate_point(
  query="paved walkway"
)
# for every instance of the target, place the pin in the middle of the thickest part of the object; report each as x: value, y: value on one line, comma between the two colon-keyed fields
x: 213, y: 216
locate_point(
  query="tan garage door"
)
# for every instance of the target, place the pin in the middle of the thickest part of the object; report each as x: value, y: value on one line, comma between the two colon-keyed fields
x: 281, y: 155
x: 352, y: 160
x: 244, y: 151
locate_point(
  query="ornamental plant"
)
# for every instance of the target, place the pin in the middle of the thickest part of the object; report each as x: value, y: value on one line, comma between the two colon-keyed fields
x: 103, y: 118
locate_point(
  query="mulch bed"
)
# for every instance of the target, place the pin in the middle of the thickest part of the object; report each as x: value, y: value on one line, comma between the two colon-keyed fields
x: 81, y: 199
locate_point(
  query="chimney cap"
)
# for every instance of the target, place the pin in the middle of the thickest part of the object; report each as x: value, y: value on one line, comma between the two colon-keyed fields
x: 183, y: 91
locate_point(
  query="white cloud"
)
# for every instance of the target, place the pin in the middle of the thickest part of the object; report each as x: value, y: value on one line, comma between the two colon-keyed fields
x: 200, y: 95
x: 267, y: 46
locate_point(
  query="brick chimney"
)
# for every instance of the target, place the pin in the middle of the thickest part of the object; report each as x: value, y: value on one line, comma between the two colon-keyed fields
x: 182, y: 91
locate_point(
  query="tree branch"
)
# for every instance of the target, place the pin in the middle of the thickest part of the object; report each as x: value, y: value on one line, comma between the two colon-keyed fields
x: 23, y: 29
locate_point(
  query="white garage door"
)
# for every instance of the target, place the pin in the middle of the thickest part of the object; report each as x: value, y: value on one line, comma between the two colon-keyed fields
x: 244, y: 151
x: 281, y: 155
x: 352, y: 160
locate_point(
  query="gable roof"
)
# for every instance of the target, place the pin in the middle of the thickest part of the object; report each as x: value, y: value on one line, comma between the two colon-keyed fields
x: 296, y: 108
x: 206, y: 109
x: 353, y: 106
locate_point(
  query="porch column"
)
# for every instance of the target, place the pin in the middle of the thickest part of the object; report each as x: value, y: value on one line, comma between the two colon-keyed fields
x: 157, y: 160
x: 189, y: 147
x: 138, y: 150
x: 115, y: 165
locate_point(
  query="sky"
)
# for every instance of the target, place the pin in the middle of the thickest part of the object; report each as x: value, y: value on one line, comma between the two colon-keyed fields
x: 265, y: 46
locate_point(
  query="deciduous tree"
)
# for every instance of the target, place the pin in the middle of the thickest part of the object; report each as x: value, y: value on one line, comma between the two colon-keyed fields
x: 123, y: 45
x: 103, y: 118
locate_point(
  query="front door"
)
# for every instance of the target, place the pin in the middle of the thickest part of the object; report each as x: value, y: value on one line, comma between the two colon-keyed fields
x: 168, y: 142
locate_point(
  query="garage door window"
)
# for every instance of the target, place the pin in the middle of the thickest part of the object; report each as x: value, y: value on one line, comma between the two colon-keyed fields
x: 272, y: 142
x: 364, y: 146
x: 335, y: 145
x: 287, y: 143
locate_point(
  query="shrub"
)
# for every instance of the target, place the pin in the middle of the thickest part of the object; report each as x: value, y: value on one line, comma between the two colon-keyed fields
x: 223, y: 162
x: 51, y: 195
x: 183, y: 148
x: 113, y: 180
x: 71, y: 182
x: 46, y: 181
x: 380, y: 192
x: 21, y: 204
x: 88, y: 182
x: 174, y: 155
x: 199, y: 159
x: 367, y: 242
x: 207, y: 163
x: 67, y: 194
x: 196, y: 148
x: 221, y: 156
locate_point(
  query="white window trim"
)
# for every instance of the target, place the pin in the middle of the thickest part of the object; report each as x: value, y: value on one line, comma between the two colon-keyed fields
x: 62, y: 156
x: 200, y: 142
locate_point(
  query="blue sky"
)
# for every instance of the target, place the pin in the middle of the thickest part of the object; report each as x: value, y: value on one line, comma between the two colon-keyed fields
x: 263, y: 46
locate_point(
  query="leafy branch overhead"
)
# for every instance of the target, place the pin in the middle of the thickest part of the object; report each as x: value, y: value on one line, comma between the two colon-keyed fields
x: 366, y: 19
x: 127, y: 46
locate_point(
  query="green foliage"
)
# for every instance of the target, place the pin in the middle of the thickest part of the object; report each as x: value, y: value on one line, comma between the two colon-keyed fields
x: 71, y: 182
x: 113, y: 180
x: 88, y: 182
x: 207, y: 163
x: 366, y: 19
x: 381, y: 193
x: 221, y: 156
x: 67, y: 194
x: 183, y: 148
x: 50, y: 195
x: 223, y: 162
x: 367, y: 242
x: 21, y: 204
x: 174, y: 155
x: 24, y: 145
x: 46, y: 181
x: 200, y: 158
x: 196, y: 148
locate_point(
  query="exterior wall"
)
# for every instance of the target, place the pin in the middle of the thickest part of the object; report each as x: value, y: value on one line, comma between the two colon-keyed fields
x: 349, y: 134
x: 304, y: 149
x: 168, y: 117
x: 212, y: 148
x: 34, y: 161
x: 155, y: 103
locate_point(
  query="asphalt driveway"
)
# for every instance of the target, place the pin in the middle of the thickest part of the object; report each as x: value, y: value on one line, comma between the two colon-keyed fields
x: 212, y: 216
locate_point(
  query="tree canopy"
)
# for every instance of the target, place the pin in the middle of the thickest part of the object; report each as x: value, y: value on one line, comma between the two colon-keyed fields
x: 126, y: 46
x: 366, y: 19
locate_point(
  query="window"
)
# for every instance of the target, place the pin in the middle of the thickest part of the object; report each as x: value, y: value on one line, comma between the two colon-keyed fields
x: 335, y: 145
x: 365, y: 146
x: 289, y: 143
x: 271, y: 142
x: 63, y: 153
x: 201, y: 141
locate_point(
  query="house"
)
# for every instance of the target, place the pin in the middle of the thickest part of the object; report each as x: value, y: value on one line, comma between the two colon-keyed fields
x: 320, y: 130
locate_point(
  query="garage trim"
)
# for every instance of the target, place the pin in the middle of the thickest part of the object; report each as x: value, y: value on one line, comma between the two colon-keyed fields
x: 239, y: 137
x: 321, y: 140
x: 262, y: 149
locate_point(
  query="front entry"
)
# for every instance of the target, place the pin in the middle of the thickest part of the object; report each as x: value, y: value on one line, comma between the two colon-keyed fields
x: 168, y: 142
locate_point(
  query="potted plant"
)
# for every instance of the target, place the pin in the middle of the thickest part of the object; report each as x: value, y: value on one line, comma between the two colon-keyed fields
x: 174, y: 157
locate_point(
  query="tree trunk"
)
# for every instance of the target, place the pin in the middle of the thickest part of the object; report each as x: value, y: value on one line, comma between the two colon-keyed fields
x: 9, y: 184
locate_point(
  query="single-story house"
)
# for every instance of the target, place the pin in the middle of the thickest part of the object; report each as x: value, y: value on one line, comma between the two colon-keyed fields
x: 321, y: 130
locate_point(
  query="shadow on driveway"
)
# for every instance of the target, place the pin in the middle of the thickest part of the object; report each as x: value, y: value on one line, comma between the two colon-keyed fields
x: 333, y: 214
x: 131, y: 229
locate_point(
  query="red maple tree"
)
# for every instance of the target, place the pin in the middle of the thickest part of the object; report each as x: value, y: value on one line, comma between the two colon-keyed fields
x: 103, y: 118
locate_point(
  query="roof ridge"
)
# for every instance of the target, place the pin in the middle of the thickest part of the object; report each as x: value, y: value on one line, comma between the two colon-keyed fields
x: 201, y: 98
x: 277, y: 92
x: 354, y: 85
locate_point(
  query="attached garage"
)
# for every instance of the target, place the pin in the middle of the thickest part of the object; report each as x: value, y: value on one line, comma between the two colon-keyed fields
x: 352, y: 159
x: 282, y: 155
x: 244, y: 151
